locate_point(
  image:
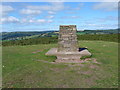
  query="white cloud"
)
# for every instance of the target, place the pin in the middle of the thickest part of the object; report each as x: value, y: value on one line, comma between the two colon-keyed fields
x: 43, y: 7
x: 108, y: 18
x: 92, y: 24
x: 50, y: 17
x: 54, y: 6
x: 31, y: 21
x: 12, y: 19
x: 60, y: 0
x: 51, y: 12
x: 107, y: 6
x: 70, y: 17
x: 109, y: 0
x: 51, y: 8
x: 100, y: 25
x: 34, y: 0
x: 71, y: 12
x: 77, y: 7
x: 41, y: 20
x: 75, y: 16
x: 5, y: 9
x: 50, y: 21
x: 9, y: 19
x: 24, y: 20
x: 30, y: 11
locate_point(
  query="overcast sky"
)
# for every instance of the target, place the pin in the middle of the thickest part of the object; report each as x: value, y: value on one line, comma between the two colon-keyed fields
x: 42, y: 16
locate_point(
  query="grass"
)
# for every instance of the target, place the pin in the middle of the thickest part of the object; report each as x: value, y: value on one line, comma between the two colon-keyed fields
x: 29, y: 67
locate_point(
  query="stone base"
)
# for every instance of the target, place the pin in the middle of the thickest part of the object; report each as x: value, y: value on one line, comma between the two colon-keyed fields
x: 73, y: 57
x: 69, y: 61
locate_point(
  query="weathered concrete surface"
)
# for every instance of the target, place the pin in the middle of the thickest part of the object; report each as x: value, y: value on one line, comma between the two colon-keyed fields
x: 68, y: 57
x: 54, y: 51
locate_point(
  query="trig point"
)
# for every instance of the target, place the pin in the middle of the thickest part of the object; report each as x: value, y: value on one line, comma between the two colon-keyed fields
x: 68, y: 49
x: 67, y: 40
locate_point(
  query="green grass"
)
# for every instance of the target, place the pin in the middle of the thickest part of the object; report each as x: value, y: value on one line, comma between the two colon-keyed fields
x: 29, y: 67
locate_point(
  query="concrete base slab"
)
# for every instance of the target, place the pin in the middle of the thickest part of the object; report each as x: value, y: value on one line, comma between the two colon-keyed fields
x: 72, y: 57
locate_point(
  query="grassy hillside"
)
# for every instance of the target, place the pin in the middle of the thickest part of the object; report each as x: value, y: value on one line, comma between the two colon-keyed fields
x: 8, y: 36
x: 27, y: 66
x: 49, y: 40
x: 111, y: 31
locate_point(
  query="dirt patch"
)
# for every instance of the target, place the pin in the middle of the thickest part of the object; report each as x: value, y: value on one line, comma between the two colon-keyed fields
x: 71, y: 65
x: 86, y: 72
x: 93, y: 66
x: 87, y: 60
x: 46, y: 61
x: 79, y: 63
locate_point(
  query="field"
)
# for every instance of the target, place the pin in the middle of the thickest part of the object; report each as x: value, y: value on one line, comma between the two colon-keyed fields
x: 28, y: 67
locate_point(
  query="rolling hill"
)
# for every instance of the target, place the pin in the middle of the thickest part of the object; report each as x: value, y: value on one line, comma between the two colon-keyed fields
x: 7, y: 36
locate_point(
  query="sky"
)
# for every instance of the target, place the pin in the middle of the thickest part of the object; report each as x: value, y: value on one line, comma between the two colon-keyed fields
x: 45, y: 16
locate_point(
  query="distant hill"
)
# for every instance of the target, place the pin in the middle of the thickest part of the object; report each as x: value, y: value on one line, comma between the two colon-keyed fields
x: 111, y: 31
x: 7, y: 36
x: 25, y: 35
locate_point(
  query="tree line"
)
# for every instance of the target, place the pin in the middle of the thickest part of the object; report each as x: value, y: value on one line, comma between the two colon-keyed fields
x: 50, y: 40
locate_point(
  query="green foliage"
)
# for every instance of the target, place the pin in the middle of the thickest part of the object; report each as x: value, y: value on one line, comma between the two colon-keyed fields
x: 84, y: 57
x: 42, y: 40
x: 7, y: 36
x: 48, y: 40
x: 102, y: 37
x: 111, y: 31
